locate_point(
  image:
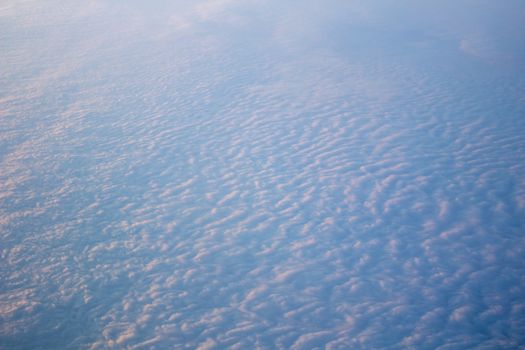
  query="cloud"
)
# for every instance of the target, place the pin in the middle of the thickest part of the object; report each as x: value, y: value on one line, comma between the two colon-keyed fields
x: 484, y: 49
x: 157, y: 194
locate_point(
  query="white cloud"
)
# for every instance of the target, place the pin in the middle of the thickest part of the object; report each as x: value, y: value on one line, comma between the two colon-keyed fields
x: 164, y: 195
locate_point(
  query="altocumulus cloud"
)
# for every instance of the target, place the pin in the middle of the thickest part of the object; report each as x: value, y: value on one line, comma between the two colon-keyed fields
x: 227, y: 174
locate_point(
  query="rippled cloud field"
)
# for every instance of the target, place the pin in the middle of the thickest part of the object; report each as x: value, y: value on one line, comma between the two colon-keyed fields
x: 262, y: 174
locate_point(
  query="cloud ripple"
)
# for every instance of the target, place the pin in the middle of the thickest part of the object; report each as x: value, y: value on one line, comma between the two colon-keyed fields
x: 212, y: 190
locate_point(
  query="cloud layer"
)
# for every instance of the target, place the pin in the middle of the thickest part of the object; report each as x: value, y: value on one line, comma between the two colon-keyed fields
x: 244, y: 175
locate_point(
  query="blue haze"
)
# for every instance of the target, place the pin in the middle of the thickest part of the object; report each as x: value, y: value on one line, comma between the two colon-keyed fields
x: 261, y: 174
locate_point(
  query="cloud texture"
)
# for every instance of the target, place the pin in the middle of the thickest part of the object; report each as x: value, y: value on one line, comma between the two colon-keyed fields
x: 229, y: 174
